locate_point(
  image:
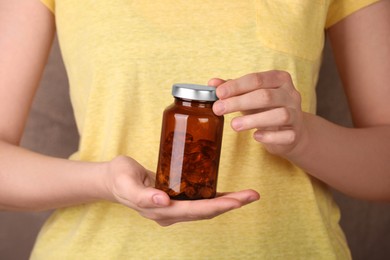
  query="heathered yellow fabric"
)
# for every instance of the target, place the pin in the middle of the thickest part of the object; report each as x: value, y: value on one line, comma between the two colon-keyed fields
x: 341, y: 8
x: 122, y: 58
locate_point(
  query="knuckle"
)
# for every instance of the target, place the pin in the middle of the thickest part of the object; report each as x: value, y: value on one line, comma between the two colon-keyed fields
x: 266, y: 96
x: 248, y: 122
x: 296, y: 96
x: 164, y: 223
x: 228, y: 104
x: 227, y: 87
x: 232, y: 87
x: 139, y: 204
x: 284, y: 76
x: 258, y: 79
x: 285, y: 116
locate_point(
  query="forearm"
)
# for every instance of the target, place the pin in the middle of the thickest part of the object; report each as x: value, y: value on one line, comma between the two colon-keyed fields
x: 30, y: 181
x: 354, y: 161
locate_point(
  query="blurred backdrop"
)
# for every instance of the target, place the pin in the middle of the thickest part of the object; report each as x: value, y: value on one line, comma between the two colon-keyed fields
x: 51, y: 130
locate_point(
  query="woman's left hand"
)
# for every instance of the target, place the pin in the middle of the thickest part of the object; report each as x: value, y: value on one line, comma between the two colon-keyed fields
x: 269, y: 103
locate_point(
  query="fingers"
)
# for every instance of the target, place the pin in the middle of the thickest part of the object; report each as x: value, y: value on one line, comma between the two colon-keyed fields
x: 132, y: 185
x: 263, y: 90
x: 215, y: 82
x: 144, y: 195
x: 140, y: 197
x: 245, y: 196
x: 253, y: 81
x: 129, y: 183
x: 257, y: 99
x: 281, y: 137
x: 269, y: 103
x: 181, y: 211
x: 278, y: 117
x: 151, y: 198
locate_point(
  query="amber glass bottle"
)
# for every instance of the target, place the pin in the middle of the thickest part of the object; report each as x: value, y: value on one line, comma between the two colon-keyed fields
x: 190, y: 145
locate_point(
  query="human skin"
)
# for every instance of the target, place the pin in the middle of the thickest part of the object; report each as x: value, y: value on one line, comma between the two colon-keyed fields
x: 352, y: 160
x: 42, y: 182
x: 30, y: 181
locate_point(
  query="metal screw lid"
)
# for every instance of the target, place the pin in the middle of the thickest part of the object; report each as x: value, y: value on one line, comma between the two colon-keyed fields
x: 194, y: 92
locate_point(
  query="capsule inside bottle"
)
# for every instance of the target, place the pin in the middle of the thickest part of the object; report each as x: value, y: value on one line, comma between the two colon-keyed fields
x: 190, y: 146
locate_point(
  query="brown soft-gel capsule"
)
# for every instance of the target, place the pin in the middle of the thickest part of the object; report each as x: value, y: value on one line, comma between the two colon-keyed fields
x: 190, y: 146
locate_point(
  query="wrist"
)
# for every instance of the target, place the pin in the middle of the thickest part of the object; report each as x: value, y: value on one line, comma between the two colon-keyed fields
x: 104, y: 181
x: 302, y: 146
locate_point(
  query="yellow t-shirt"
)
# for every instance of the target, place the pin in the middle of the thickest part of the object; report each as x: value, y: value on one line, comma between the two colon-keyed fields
x: 122, y: 58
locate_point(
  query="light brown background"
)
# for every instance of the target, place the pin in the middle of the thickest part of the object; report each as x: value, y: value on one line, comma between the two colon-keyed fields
x: 51, y: 130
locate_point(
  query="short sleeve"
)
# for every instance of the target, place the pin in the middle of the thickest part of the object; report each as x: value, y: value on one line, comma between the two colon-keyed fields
x: 340, y: 9
x: 50, y: 4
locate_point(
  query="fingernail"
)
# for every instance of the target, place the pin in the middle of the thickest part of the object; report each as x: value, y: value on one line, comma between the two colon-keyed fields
x: 212, y: 82
x: 252, y: 198
x: 219, y: 107
x: 157, y: 199
x: 258, y: 136
x: 237, y: 124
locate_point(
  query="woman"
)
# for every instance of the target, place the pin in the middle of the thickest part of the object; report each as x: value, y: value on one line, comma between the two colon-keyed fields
x: 119, y: 55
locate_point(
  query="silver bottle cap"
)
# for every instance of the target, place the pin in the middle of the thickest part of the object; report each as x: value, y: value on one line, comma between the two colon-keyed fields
x: 194, y: 92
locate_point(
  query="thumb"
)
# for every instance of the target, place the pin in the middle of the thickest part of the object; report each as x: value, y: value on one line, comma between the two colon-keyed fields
x: 215, y: 82
x: 152, y: 198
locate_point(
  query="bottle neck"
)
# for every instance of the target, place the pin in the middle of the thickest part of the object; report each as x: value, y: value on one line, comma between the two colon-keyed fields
x: 193, y: 103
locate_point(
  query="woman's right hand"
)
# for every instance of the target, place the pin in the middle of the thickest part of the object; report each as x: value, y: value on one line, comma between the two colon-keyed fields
x: 130, y: 184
